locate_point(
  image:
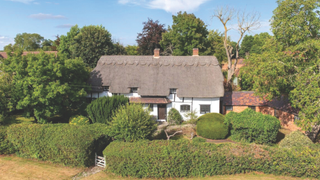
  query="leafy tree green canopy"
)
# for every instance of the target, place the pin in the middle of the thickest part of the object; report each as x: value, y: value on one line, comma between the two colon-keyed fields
x: 216, y: 47
x: 295, y: 21
x: 132, y: 50
x: 45, y: 85
x: 290, y: 62
x: 187, y: 32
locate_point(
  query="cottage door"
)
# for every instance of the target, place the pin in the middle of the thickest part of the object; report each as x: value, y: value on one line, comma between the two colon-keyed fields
x: 162, y: 111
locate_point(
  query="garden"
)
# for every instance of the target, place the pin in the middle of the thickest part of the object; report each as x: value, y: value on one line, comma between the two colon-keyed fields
x: 134, y: 146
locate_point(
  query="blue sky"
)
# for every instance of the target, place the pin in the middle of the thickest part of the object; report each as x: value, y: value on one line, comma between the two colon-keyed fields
x: 122, y: 18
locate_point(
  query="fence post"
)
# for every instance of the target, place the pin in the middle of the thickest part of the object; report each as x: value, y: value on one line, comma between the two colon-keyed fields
x: 95, y: 159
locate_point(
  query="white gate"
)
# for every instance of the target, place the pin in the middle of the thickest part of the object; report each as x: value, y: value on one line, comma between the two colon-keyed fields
x: 100, y: 161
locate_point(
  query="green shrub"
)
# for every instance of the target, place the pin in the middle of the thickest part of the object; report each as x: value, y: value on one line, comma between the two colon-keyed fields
x: 79, y: 120
x: 191, y: 116
x: 295, y: 139
x: 181, y: 158
x: 251, y: 126
x: 211, y: 125
x: 61, y: 143
x: 132, y: 122
x: 5, y: 146
x: 102, y: 109
x: 174, y: 117
x: 198, y: 140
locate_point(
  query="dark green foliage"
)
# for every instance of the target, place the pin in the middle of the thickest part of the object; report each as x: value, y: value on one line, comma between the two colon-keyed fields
x: 102, y: 109
x: 251, y: 126
x: 211, y: 125
x: 131, y: 123
x: 198, y: 140
x: 60, y: 143
x: 174, y: 117
x: 181, y: 158
x: 295, y: 139
x: 5, y: 146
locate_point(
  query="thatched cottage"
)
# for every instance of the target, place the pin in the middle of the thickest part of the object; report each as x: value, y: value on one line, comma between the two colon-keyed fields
x: 161, y: 82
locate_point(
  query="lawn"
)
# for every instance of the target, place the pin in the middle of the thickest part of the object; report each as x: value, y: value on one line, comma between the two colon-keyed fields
x: 16, y: 168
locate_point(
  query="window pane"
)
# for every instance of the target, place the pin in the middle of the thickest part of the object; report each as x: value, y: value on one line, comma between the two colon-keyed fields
x: 252, y: 107
x: 229, y: 108
x: 204, y: 109
x: 105, y: 88
x: 173, y: 91
x: 133, y: 90
x: 184, y: 108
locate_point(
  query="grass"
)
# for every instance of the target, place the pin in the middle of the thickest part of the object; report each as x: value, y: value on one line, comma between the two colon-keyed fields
x: 16, y: 168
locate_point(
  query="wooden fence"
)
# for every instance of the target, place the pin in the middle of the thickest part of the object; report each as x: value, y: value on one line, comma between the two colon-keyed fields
x: 100, y: 161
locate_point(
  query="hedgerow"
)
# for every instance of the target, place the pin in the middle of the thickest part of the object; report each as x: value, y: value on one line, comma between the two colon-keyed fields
x: 5, y: 146
x: 182, y: 158
x: 295, y: 139
x: 251, y: 126
x: 102, y: 109
x: 61, y: 143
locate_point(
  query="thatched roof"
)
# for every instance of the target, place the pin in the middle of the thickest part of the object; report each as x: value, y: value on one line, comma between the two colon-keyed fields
x: 192, y: 76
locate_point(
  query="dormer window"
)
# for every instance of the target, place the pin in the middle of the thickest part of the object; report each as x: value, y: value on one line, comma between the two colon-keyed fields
x: 105, y: 88
x: 173, y: 91
x: 133, y: 90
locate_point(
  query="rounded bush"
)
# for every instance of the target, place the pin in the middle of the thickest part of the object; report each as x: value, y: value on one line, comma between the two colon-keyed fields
x: 79, y: 120
x: 212, y: 126
x: 174, y: 117
x: 295, y: 139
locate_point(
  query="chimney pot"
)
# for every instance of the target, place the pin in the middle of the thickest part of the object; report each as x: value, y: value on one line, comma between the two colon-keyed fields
x: 156, y: 53
x: 195, y: 52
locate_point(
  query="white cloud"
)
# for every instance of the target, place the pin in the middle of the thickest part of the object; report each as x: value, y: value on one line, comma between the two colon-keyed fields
x: 23, y: 1
x: 65, y: 26
x: 5, y: 40
x: 42, y: 16
x: 172, y: 6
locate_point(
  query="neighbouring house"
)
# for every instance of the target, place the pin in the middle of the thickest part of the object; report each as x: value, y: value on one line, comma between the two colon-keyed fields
x: 238, y: 101
x: 5, y: 56
x: 161, y: 82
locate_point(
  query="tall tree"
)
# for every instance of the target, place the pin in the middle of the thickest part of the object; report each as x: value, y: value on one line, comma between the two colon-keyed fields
x: 28, y: 42
x: 295, y: 21
x: 45, y: 85
x: 290, y: 63
x: 150, y: 37
x: 215, y: 40
x: 187, y: 32
x: 66, y: 41
x: 132, y: 50
x: 246, y: 45
x: 117, y: 49
x: 246, y: 22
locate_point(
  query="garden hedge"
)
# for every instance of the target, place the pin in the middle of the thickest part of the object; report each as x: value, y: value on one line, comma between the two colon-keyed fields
x: 295, y: 139
x: 182, y: 158
x: 5, y: 146
x: 174, y: 117
x: 101, y: 110
x: 211, y: 125
x: 62, y: 143
x: 252, y: 126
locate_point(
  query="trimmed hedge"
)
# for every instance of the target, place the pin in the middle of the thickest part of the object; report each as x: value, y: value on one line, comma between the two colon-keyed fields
x: 101, y: 110
x: 5, y: 146
x: 295, y: 139
x: 251, y: 126
x: 181, y: 158
x: 174, y: 117
x: 79, y: 120
x: 60, y: 143
x: 211, y: 125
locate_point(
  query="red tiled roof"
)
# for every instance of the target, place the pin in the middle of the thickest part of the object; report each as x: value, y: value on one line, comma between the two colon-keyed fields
x: 149, y: 100
x: 247, y: 98
x: 4, y: 54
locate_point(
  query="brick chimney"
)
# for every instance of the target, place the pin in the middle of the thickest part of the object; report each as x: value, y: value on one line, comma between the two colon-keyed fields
x: 195, y: 52
x: 156, y: 53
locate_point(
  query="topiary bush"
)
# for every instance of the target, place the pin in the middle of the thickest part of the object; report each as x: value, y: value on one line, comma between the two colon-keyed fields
x: 251, y: 126
x: 174, y: 117
x: 131, y: 123
x: 102, y: 109
x: 60, y: 143
x: 295, y: 139
x: 211, y: 126
x: 6, y: 147
x: 79, y: 120
x: 182, y: 158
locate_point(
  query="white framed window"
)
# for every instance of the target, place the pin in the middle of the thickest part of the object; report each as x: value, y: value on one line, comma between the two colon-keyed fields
x: 184, y: 108
x: 134, y: 90
x: 105, y: 88
x: 204, y: 109
x: 173, y: 91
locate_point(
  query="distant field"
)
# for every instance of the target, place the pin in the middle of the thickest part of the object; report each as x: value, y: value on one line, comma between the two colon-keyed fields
x: 15, y: 168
